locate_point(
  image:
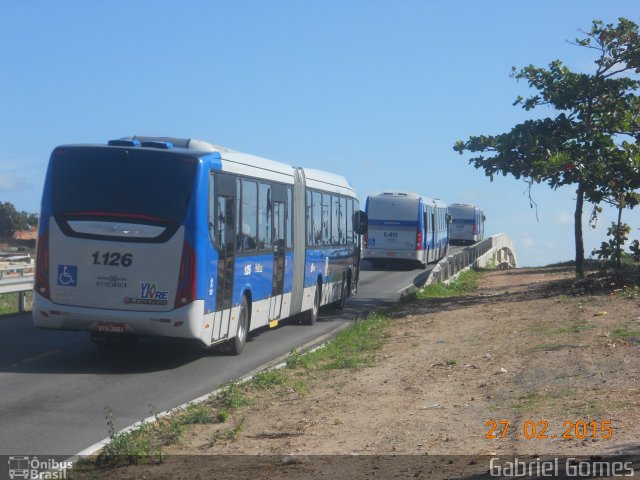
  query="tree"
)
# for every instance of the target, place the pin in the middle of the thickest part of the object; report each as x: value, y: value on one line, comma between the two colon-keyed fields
x: 592, y: 140
x: 11, y: 220
x: 8, y: 219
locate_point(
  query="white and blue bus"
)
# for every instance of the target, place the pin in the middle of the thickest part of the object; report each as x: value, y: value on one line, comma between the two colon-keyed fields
x: 404, y: 225
x: 467, y: 224
x: 155, y: 236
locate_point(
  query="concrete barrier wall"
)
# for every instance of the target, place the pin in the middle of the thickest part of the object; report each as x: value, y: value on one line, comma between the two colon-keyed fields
x: 497, y: 251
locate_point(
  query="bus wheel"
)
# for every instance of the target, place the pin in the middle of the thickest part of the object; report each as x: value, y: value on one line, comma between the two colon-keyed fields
x: 237, y: 344
x: 309, y: 317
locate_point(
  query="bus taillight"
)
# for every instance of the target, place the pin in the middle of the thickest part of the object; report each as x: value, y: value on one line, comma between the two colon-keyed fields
x: 475, y: 229
x: 42, y: 267
x: 186, y: 291
x: 419, y: 240
x: 365, y: 240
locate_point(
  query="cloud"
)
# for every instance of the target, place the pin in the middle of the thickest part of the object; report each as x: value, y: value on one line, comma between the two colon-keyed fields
x: 12, y: 182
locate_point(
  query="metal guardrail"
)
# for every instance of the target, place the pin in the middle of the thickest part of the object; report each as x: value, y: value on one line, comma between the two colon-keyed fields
x: 17, y: 279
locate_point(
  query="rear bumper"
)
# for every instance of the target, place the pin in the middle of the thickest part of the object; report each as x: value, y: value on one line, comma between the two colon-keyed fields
x: 185, y: 322
x: 376, y: 254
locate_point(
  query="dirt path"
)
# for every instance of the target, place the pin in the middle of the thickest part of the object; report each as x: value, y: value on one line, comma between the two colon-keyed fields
x: 521, y: 349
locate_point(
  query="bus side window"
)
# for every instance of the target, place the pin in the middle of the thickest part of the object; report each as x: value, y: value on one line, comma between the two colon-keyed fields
x: 264, y: 216
x: 225, y: 223
x: 249, y: 214
x: 343, y: 221
x: 326, y: 219
x: 309, y: 218
x: 349, y: 220
x: 317, y: 218
x: 335, y: 220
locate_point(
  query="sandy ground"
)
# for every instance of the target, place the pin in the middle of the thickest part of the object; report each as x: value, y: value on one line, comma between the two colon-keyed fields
x: 524, y: 350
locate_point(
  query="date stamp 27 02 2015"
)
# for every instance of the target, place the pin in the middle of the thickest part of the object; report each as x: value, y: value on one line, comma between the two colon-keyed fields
x: 538, y: 429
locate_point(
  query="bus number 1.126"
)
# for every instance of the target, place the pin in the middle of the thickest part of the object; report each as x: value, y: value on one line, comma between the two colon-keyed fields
x: 113, y: 259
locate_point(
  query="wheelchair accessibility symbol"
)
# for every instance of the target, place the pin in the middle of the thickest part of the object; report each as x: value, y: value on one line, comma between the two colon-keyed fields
x: 67, y: 275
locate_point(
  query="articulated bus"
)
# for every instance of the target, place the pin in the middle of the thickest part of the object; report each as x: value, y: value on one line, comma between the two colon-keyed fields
x: 467, y: 224
x: 158, y: 236
x: 407, y: 226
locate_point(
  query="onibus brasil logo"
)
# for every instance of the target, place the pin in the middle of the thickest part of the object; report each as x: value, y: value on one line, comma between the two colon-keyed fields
x: 31, y: 468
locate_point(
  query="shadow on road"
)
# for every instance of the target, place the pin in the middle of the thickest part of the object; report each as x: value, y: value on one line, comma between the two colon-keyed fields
x: 66, y: 352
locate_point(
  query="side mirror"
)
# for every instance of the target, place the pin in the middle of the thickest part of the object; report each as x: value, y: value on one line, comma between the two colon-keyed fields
x: 449, y: 218
x: 483, y: 218
x: 360, y: 222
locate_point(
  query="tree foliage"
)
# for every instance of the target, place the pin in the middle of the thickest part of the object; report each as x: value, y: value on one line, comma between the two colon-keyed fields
x: 591, y: 143
x: 11, y: 220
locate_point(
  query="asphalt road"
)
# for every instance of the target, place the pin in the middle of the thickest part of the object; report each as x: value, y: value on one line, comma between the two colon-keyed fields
x: 55, y: 385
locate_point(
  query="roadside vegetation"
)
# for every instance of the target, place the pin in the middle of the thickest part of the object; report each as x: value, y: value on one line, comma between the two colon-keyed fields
x: 9, y: 302
x: 466, y: 281
x: 353, y: 348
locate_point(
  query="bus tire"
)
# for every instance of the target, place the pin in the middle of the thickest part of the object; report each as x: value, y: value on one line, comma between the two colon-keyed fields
x: 310, y: 316
x: 237, y: 343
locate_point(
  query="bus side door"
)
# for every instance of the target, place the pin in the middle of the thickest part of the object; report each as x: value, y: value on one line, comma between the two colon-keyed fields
x: 279, y: 242
x: 225, y: 244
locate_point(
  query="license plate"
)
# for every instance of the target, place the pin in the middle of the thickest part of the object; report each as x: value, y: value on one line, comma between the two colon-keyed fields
x: 111, y: 327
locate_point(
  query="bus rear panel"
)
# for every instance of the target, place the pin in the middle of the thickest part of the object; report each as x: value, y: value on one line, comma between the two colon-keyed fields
x: 395, y: 227
x: 405, y: 226
x: 116, y: 243
x: 467, y: 224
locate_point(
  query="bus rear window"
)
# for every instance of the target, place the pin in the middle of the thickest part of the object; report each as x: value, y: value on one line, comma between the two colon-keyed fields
x: 106, y: 181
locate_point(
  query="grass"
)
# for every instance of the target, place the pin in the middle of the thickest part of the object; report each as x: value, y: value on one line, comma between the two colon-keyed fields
x: 581, y: 327
x: 533, y: 401
x: 198, y: 413
x: 624, y: 334
x: 351, y: 348
x: 226, y: 435
x: 231, y: 396
x: 528, y: 402
x: 9, y: 302
x: 550, y: 347
x: 466, y: 281
x: 269, y: 379
x: 148, y: 440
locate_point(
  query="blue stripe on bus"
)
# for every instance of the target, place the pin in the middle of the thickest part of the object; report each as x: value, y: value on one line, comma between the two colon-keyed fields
x: 394, y: 223
x: 460, y: 220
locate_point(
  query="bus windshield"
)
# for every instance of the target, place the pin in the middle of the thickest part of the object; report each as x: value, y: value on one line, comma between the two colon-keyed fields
x: 143, y: 184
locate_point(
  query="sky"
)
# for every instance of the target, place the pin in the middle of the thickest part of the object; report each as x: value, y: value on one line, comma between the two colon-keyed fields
x: 375, y: 90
